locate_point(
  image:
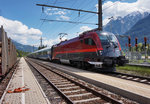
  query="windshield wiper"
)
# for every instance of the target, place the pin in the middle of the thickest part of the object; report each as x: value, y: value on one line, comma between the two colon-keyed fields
x: 115, y: 46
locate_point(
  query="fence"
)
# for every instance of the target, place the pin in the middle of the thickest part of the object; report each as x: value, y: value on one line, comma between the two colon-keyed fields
x: 7, y: 53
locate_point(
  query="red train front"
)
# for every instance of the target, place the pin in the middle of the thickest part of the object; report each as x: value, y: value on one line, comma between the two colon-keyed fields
x: 92, y: 48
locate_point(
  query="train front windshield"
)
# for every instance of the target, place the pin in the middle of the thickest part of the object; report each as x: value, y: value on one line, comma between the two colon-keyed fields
x: 108, y: 38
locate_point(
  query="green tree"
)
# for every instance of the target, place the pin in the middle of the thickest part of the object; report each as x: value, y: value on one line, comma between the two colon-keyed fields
x: 21, y: 53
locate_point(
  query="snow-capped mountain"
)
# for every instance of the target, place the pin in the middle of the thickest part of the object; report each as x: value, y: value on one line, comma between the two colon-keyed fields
x: 121, y: 25
x: 140, y: 30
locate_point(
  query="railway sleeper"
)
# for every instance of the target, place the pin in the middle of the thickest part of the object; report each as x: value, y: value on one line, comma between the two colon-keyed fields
x: 79, y: 90
x: 58, y: 83
x: 61, y: 82
x: 76, y: 93
x: 79, y: 95
x: 56, y: 79
x: 73, y: 87
x: 87, y: 100
x: 123, y: 76
x: 136, y: 79
x: 83, y: 97
x: 65, y: 85
x: 144, y: 80
x: 129, y: 77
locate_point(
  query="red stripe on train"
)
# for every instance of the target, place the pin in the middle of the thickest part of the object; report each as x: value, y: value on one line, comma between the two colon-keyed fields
x: 78, y: 51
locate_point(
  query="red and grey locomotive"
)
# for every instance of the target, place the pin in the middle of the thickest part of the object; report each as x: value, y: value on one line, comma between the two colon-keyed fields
x: 91, y: 48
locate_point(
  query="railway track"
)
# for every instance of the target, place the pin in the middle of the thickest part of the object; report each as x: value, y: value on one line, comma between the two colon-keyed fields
x: 135, y: 78
x: 75, y: 91
x: 145, y: 80
x: 51, y: 94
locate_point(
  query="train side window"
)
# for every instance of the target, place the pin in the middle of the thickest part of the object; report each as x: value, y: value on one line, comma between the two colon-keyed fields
x: 40, y: 53
x: 81, y: 41
x: 86, y: 41
x: 89, y: 41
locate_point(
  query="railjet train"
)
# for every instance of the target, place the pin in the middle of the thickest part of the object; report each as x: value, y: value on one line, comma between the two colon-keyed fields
x: 92, y: 48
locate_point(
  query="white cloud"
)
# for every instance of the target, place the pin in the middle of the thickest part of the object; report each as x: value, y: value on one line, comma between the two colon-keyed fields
x: 65, y: 17
x: 50, y: 42
x: 84, y: 28
x: 61, y: 14
x: 55, y: 11
x: 18, y: 31
x: 123, y: 8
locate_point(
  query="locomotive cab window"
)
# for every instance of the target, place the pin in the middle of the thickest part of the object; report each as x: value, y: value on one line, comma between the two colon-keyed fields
x: 89, y: 41
x: 81, y: 41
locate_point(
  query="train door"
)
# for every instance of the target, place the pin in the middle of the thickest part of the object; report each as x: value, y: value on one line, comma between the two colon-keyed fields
x: 81, y: 46
x: 51, y: 55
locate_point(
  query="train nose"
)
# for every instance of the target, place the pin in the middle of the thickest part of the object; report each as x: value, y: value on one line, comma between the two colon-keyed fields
x: 110, y: 52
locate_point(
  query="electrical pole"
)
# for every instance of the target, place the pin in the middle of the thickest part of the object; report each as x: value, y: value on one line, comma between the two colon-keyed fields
x: 100, y: 24
x: 41, y: 41
x: 33, y: 48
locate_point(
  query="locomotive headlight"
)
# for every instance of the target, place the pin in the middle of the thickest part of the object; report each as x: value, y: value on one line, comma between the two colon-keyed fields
x: 100, y: 52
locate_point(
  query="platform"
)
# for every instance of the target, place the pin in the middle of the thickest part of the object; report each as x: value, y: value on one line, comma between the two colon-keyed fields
x: 23, y: 78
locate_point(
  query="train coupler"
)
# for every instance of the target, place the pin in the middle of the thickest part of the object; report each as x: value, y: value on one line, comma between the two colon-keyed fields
x: 121, y: 60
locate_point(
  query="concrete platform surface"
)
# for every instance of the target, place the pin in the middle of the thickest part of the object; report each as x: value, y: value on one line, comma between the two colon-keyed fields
x: 24, y: 78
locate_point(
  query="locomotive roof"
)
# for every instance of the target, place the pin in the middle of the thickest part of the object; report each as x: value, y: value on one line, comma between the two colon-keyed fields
x: 76, y: 38
x: 84, y: 34
x: 41, y: 50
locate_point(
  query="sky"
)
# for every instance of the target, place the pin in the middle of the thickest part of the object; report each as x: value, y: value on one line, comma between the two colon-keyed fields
x: 21, y: 19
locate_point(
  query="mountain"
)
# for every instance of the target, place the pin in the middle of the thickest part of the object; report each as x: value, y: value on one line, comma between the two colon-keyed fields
x: 25, y: 48
x: 120, y: 25
x: 140, y: 30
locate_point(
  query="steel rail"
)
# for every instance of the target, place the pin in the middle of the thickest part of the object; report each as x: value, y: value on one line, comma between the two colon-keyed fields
x: 104, y: 97
x: 68, y: 100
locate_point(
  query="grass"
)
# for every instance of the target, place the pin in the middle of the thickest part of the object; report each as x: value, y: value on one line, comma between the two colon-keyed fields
x: 140, y: 61
x: 136, y: 70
